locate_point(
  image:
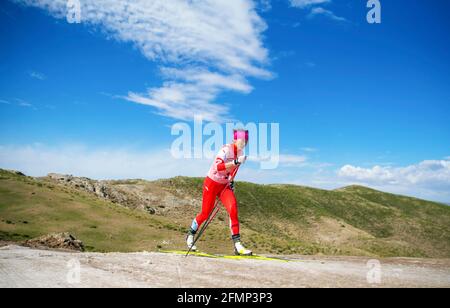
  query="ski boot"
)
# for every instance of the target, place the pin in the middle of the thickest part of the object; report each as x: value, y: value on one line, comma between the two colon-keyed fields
x: 190, y: 240
x: 239, y: 249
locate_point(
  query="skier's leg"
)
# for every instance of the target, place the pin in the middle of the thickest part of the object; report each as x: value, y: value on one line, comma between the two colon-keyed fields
x: 229, y: 201
x: 210, y: 189
x: 210, y: 192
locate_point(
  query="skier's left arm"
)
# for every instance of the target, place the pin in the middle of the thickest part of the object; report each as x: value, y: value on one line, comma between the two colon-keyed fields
x: 222, y: 165
x: 237, y: 162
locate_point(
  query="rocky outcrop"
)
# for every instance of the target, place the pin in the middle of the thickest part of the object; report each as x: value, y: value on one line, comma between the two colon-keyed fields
x: 143, y: 195
x: 100, y: 188
x: 14, y: 172
x: 64, y: 241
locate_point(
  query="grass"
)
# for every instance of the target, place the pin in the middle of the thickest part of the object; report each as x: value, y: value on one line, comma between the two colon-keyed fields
x: 101, y: 225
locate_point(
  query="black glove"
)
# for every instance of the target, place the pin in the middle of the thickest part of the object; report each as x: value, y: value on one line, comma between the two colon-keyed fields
x: 232, y: 185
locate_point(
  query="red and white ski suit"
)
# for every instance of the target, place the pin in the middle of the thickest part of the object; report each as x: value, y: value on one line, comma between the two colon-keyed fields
x: 216, y: 184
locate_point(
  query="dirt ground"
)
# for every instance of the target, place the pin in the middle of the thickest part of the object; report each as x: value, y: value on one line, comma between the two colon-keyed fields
x: 24, y: 267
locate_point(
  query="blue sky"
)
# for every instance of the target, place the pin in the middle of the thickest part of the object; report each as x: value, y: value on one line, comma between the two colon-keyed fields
x: 356, y: 102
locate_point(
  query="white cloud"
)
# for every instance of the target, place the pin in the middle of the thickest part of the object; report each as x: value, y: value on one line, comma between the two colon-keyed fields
x: 208, y: 79
x: 428, y: 174
x: 428, y: 180
x: 327, y: 13
x: 22, y: 103
x: 284, y: 160
x: 376, y: 174
x: 316, y: 10
x: 106, y: 163
x: 183, y: 101
x: 220, y: 38
x: 288, y: 160
x: 309, y: 149
x: 37, y: 75
x: 17, y: 102
x: 192, y: 91
x: 307, y: 3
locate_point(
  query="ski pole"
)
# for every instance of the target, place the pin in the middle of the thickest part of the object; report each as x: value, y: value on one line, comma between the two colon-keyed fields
x: 212, y: 214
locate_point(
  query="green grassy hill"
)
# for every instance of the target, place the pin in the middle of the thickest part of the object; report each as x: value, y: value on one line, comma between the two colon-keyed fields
x: 281, y: 219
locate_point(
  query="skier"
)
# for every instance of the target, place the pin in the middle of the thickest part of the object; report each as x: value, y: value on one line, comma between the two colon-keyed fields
x: 218, y: 183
